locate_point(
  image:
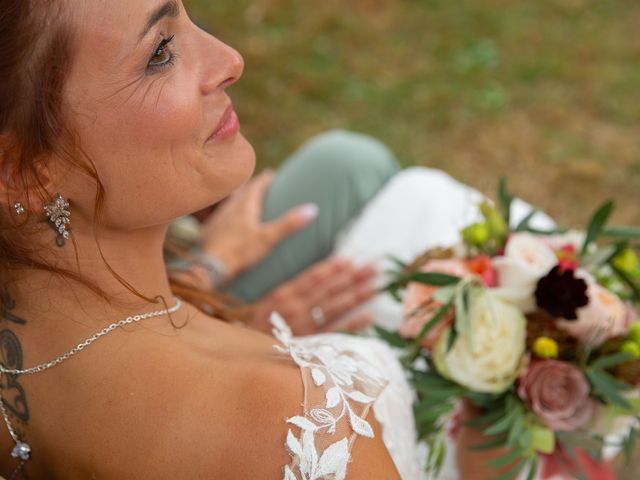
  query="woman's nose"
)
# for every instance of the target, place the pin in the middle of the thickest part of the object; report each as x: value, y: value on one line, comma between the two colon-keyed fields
x: 223, y: 66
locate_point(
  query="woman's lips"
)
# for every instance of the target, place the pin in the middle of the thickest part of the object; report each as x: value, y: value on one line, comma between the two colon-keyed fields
x: 228, y: 127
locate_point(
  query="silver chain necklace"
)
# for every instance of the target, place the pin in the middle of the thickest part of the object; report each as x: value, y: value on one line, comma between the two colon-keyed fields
x: 22, y: 450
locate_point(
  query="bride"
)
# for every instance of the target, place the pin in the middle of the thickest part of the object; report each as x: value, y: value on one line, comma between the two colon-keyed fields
x: 114, y: 121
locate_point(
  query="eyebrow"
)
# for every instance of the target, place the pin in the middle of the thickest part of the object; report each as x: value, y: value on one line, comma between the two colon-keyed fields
x: 168, y: 9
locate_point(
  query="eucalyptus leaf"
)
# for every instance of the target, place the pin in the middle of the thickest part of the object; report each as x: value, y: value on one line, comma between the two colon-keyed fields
x: 611, y: 360
x: 507, y: 459
x: 505, y: 200
x: 427, y: 327
x: 608, y: 387
x: 392, y: 338
x: 451, y: 339
x: 621, y: 232
x: 533, y: 468
x: 489, y: 445
x: 524, y: 223
x: 502, y: 425
x: 517, y: 427
x: 514, y: 472
x: 597, y: 224
x: 432, y: 278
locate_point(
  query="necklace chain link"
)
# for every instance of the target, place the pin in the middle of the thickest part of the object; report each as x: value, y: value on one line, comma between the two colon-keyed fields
x: 22, y: 450
x: 81, y: 346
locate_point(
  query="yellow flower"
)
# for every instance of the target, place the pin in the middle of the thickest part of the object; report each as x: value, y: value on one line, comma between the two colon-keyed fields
x: 477, y: 234
x: 627, y: 261
x: 545, y: 347
x: 632, y: 348
x: 634, y: 332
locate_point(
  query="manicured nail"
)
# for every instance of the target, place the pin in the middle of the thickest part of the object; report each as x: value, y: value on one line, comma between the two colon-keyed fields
x: 308, y: 212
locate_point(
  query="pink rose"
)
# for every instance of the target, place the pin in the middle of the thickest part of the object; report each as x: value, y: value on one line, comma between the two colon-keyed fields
x: 605, y: 316
x: 558, y: 393
x: 418, y: 294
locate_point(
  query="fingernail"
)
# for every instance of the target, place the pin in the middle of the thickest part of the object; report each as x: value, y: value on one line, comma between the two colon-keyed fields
x: 308, y: 212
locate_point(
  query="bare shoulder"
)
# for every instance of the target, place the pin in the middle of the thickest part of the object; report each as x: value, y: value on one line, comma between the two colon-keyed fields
x: 238, y: 408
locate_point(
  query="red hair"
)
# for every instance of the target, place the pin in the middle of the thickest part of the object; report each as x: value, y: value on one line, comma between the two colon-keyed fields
x: 36, y: 53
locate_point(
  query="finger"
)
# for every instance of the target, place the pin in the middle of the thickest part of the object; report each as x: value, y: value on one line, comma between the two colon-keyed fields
x: 307, y: 282
x: 290, y: 222
x: 349, y: 278
x: 256, y: 190
x: 339, y: 305
x: 350, y: 323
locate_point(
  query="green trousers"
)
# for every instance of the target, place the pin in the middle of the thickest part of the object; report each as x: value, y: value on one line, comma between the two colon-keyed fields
x: 340, y: 172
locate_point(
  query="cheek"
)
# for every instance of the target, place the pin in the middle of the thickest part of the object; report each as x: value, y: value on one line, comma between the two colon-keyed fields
x: 151, y: 158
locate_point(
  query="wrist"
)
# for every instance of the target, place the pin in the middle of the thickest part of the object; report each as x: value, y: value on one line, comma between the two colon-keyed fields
x: 224, y: 256
x: 214, y: 268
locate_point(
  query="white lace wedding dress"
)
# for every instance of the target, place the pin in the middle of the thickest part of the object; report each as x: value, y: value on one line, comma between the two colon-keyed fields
x: 344, y: 377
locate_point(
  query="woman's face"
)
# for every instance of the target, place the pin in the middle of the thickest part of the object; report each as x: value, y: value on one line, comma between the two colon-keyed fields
x: 146, y: 96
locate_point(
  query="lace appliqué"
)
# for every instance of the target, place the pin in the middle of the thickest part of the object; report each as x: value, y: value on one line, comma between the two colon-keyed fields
x: 340, y: 388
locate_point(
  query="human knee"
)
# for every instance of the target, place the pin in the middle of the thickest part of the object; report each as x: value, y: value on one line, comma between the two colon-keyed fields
x: 346, y: 153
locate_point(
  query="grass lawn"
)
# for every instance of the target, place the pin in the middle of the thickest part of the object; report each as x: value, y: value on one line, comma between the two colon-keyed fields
x: 544, y: 91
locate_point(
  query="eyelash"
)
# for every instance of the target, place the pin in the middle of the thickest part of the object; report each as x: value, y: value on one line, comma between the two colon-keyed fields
x: 161, y: 48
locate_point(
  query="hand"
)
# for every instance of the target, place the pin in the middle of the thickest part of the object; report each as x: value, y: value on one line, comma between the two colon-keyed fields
x: 235, y: 233
x: 336, y: 286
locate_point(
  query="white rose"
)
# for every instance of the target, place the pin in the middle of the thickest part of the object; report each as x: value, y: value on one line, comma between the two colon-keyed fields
x: 489, y: 359
x: 574, y: 238
x: 526, y: 260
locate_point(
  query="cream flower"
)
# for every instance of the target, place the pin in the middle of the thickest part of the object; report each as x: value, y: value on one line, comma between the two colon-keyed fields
x: 490, y: 357
x: 526, y: 260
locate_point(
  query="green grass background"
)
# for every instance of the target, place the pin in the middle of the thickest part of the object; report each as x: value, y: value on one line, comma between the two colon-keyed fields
x: 544, y: 91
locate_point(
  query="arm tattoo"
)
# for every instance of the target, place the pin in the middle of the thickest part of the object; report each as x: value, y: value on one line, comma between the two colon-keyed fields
x: 13, y: 394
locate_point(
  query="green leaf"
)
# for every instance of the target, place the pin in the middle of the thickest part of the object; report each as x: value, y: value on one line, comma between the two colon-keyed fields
x: 451, y: 339
x: 631, y: 283
x: 506, y: 459
x: 433, y: 279
x: 399, y: 263
x: 608, y: 387
x: 611, y: 360
x: 502, y: 425
x: 514, y: 472
x: 597, y: 224
x: 489, y: 445
x: 426, y: 328
x: 392, y: 338
x: 524, y: 223
x: 486, y: 419
x: 516, y: 430
x: 505, y: 200
x: 622, y: 232
x: 461, y: 301
x: 533, y: 468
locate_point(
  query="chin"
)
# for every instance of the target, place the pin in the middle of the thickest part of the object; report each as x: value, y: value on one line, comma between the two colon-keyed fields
x: 238, y: 169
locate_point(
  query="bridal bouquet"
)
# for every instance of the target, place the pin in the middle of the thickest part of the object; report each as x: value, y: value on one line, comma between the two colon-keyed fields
x: 535, y: 328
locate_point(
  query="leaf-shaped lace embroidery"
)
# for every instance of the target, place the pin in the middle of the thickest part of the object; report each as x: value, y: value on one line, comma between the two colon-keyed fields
x: 341, y: 375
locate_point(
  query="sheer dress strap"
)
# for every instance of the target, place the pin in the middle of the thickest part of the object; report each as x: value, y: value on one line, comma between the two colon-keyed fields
x: 340, y: 387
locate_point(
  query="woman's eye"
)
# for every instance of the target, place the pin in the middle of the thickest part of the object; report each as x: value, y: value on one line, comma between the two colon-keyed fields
x: 162, y: 56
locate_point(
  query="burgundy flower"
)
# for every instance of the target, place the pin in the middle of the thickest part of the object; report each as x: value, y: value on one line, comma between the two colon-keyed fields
x: 560, y: 293
x: 558, y: 393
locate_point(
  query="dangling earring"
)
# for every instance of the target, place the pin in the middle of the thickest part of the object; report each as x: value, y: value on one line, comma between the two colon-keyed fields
x: 59, y: 216
x: 17, y: 206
